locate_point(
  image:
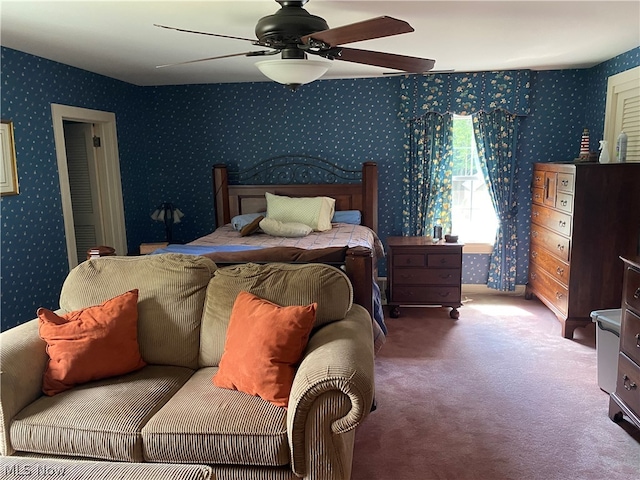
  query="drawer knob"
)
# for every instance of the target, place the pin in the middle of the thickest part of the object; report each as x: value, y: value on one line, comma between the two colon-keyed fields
x: 534, y: 254
x: 534, y: 234
x: 560, y: 247
x: 559, y: 295
x: 536, y: 214
x: 627, y: 383
x: 636, y: 295
x: 562, y: 224
x: 565, y: 183
x: 638, y: 340
x: 533, y: 276
x: 560, y: 271
x: 563, y: 203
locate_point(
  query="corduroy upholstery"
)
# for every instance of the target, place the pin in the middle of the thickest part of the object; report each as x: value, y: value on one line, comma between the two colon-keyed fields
x: 206, y: 424
x: 169, y: 412
x: 171, y: 290
x: 19, y: 468
x: 281, y: 283
x: 101, y: 419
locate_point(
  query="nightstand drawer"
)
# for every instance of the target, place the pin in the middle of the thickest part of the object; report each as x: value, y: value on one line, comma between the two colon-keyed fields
x: 628, y: 382
x: 421, y: 276
x: 426, y: 295
x: 632, y: 289
x: 436, y: 260
x: 410, y: 260
x: 630, y: 335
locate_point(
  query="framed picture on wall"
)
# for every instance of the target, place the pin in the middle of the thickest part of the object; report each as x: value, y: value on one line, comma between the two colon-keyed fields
x: 9, y: 171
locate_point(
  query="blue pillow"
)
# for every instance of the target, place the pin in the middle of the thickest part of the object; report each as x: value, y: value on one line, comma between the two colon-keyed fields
x: 347, y: 216
x: 239, y: 221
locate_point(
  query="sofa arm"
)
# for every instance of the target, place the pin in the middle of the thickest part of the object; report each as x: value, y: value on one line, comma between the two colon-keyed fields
x: 332, y: 392
x: 23, y: 359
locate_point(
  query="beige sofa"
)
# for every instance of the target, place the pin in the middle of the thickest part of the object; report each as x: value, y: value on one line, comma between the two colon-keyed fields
x: 169, y: 412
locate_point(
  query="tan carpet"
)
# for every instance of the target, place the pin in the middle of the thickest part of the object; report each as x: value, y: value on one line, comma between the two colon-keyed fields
x: 497, y: 394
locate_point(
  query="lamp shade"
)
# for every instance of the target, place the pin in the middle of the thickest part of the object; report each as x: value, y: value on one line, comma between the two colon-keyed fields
x: 169, y: 214
x: 292, y: 71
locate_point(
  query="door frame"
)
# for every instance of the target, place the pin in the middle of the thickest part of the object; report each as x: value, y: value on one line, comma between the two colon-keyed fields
x: 108, y: 169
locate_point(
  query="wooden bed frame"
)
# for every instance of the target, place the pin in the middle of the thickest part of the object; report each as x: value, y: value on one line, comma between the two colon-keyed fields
x: 241, y: 192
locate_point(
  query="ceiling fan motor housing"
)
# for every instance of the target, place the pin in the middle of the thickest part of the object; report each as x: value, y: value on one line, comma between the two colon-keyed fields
x: 283, y: 29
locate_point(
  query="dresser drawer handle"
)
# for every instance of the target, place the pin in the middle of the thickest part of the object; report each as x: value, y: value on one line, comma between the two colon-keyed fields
x: 445, y: 276
x: 638, y: 340
x: 560, y: 271
x: 533, y: 276
x: 537, y: 196
x: 562, y: 223
x: 534, y: 254
x: 636, y: 295
x: 627, y: 383
x: 534, y: 234
x: 565, y: 183
x: 563, y: 203
x: 559, y: 296
x: 536, y: 214
x: 538, y: 179
x: 560, y: 247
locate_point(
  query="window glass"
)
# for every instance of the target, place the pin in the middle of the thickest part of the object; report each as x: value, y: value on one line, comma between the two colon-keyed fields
x: 473, y: 217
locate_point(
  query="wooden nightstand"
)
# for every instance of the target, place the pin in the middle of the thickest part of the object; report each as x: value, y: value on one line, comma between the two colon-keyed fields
x: 423, y: 273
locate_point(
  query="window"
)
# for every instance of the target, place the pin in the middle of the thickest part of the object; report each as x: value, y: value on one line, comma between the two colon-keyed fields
x: 473, y: 217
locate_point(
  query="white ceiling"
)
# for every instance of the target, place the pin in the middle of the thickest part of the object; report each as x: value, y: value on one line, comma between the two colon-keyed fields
x: 118, y: 39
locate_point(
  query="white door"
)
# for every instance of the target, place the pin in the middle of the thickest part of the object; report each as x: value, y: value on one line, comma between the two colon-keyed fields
x: 108, y: 190
x: 84, y: 186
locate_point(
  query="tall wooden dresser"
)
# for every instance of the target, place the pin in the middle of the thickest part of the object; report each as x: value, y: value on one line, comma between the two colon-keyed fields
x: 584, y: 216
x: 626, y: 399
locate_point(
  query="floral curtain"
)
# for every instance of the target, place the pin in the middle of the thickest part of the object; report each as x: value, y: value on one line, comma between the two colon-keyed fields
x: 427, y: 103
x: 496, y: 135
x: 427, y: 171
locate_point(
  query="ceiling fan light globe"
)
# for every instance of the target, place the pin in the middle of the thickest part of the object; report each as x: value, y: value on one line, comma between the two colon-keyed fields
x: 293, y: 71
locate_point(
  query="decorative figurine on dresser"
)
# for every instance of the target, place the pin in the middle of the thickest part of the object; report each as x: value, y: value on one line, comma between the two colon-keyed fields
x: 626, y: 399
x: 424, y: 272
x: 584, y: 216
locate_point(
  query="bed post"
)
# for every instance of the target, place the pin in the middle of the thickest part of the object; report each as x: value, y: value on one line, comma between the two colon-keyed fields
x: 221, y: 194
x: 370, y: 195
x: 359, y: 267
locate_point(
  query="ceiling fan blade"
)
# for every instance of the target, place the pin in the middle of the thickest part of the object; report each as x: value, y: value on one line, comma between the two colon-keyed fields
x: 430, y: 72
x: 253, y: 40
x: 366, y: 30
x: 257, y: 53
x: 386, y: 60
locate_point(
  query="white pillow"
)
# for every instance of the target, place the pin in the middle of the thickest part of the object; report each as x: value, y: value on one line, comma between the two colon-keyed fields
x: 282, y: 229
x: 316, y: 212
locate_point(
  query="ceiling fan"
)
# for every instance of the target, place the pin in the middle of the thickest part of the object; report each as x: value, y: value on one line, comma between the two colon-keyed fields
x: 294, y: 33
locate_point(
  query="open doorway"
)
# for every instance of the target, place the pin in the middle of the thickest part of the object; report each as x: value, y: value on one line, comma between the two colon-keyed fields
x: 92, y: 211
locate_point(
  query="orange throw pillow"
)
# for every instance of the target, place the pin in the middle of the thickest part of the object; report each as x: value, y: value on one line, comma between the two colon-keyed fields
x: 264, y: 344
x: 90, y: 344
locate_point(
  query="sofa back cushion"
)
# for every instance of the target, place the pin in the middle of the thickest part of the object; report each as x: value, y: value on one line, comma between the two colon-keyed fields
x: 170, y: 300
x: 281, y: 283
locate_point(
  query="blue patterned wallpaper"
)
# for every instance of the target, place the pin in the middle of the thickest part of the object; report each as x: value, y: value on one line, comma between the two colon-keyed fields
x: 169, y: 137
